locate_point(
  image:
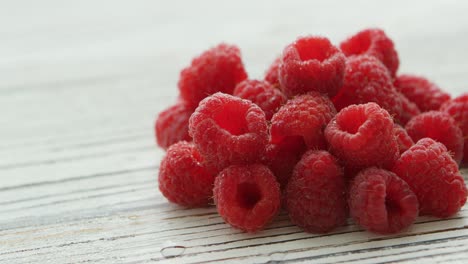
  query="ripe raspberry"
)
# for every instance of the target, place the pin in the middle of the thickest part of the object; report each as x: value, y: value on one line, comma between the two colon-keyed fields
x: 425, y: 94
x: 373, y: 42
x: 381, y: 202
x: 218, y: 69
x: 458, y: 109
x: 440, y: 127
x: 172, y: 125
x: 183, y: 177
x: 403, y: 139
x: 316, y: 193
x: 247, y: 196
x: 229, y: 130
x: 305, y: 116
x: 262, y: 94
x: 433, y: 176
x: 408, y: 109
x: 367, y: 80
x: 271, y: 75
x: 362, y: 136
x: 281, y: 158
x: 311, y: 64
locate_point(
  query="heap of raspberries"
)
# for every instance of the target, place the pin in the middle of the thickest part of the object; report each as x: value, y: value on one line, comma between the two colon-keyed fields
x: 331, y: 132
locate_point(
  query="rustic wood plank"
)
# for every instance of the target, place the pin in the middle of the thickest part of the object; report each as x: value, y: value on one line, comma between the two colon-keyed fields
x: 82, y: 82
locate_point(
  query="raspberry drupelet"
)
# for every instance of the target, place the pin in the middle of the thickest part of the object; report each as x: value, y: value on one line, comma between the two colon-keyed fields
x: 311, y: 64
x: 262, y: 94
x: 184, y: 178
x: 247, y: 196
x: 373, y: 42
x: 403, y: 139
x: 271, y: 74
x: 381, y: 202
x: 434, y: 177
x: 458, y: 110
x: 362, y: 136
x: 218, y: 69
x: 229, y: 130
x: 316, y: 193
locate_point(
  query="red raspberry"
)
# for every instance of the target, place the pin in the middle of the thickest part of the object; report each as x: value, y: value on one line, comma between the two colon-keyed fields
x: 247, y: 196
x: 183, y: 177
x: 373, y: 42
x: 316, y: 193
x: 403, y: 139
x: 305, y: 116
x: 262, y: 94
x: 271, y: 75
x: 425, y: 94
x: 433, y: 176
x: 381, y: 202
x: 408, y: 109
x: 458, y: 109
x: 367, y: 80
x: 172, y: 125
x: 311, y: 64
x: 362, y: 136
x: 282, y: 157
x: 218, y: 69
x: 440, y: 127
x: 229, y: 130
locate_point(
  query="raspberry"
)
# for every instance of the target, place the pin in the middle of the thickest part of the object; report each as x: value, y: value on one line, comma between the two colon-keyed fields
x: 425, y: 94
x: 440, y: 127
x: 373, y: 42
x: 218, y: 69
x: 362, y: 136
x: 262, y: 94
x: 271, y: 75
x: 315, y: 195
x: 381, y: 202
x: 229, y: 130
x: 403, y: 139
x: 172, y: 125
x: 305, y: 116
x: 282, y: 157
x: 408, y: 109
x: 367, y: 80
x: 183, y: 177
x: 311, y: 64
x: 458, y: 109
x: 247, y: 196
x: 433, y: 176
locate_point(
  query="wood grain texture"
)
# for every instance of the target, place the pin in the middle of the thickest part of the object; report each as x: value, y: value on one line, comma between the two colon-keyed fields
x: 81, y: 83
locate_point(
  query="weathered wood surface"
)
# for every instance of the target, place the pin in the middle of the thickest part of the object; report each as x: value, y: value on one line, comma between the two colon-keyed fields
x: 81, y: 83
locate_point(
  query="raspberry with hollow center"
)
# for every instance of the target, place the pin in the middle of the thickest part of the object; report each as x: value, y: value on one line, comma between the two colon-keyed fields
x: 316, y: 193
x: 183, y: 177
x: 303, y: 116
x: 367, y: 80
x: 172, y: 125
x: 229, y: 130
x: 381, y: 202
x: 458, y: 110
x: 218, y: 69
x: 373, y: 42
x: 440, y: 127
x: 419, y: 90
x: 311, y: 64
x: 362, y: 136
x: 434, y: 177
x: 247, y: 196
x: 262, y: 94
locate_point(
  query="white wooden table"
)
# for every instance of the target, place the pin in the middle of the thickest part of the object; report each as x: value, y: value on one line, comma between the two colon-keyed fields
x: 81, y: 83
